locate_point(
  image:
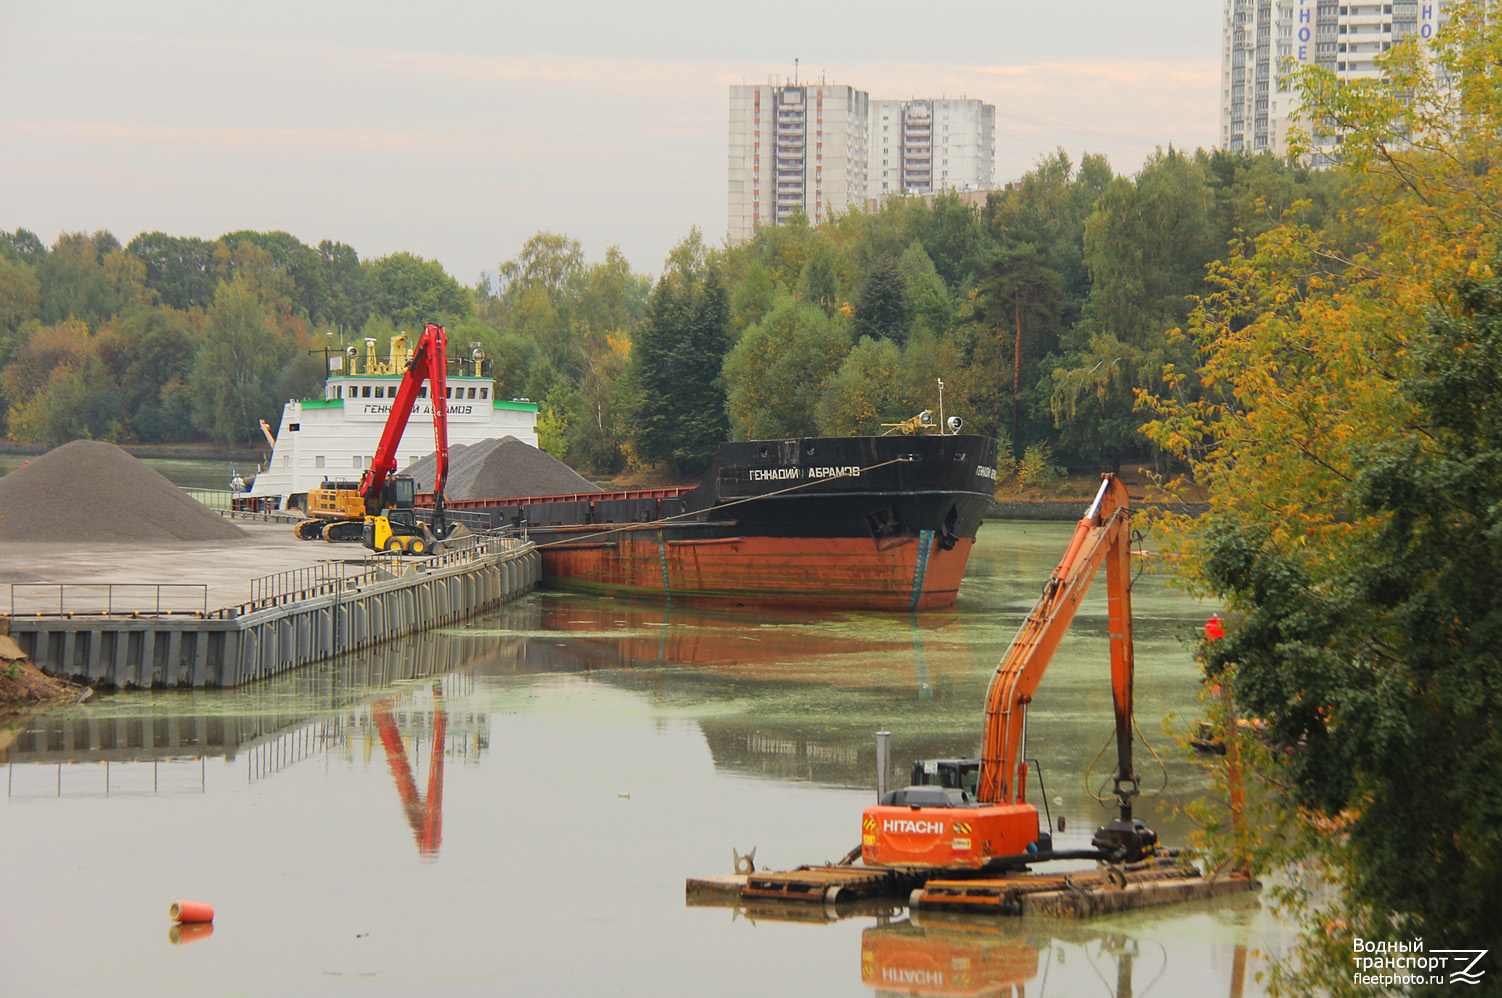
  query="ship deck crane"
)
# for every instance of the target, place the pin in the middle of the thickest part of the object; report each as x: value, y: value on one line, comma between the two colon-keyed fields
x: 379, y: 510
x: 974, y: 814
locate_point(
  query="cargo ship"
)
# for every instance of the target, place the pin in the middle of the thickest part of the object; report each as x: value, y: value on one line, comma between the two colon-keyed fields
x: 334, y: 437
x: 863, y: 523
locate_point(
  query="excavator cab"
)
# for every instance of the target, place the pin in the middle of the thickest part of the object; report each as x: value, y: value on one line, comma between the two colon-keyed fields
x: 956, y: 774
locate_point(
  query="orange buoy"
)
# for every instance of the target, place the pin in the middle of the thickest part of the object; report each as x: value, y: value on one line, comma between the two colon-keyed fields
x: 191, y: 911
x: 180, y: 935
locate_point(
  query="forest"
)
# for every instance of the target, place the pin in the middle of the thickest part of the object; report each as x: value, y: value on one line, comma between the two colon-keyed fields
x: 1045, y: 312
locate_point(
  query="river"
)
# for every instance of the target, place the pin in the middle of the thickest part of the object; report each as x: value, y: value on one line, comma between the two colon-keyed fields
x: 516, y: 803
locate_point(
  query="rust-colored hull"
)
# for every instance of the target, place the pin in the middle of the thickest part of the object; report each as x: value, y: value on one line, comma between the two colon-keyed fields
x: 906, y: 574
x: 833, y: 523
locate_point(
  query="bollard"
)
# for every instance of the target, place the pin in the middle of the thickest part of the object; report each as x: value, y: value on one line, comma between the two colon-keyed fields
x: 883, y: 762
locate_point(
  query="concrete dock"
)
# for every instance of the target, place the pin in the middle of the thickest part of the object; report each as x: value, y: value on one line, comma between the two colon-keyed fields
x: 222, y: 614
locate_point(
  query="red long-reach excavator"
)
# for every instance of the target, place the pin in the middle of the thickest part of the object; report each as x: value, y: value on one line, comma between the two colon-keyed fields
x: 973, y: 814
x: 379, y: 509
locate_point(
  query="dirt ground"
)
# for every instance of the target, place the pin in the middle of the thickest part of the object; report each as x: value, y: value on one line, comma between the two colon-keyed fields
x: 24, y: 688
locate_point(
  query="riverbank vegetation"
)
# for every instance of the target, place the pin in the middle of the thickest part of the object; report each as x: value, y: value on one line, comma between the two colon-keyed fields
x: 1042, y: 311
x: 1346, y: 416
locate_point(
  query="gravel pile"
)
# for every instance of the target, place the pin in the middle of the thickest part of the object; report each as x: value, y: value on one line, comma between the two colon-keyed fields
x: 500, y: 468
x: 88, y: 491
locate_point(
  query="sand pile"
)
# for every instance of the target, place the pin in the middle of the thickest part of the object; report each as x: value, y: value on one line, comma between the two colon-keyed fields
x: 88, y: 491
x: 500, y: 467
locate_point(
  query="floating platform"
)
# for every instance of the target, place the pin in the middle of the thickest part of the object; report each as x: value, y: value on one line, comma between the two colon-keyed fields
x: 1073, y: 894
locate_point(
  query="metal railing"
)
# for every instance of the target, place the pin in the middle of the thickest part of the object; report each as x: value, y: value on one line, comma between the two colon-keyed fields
x: 151, y: 599
x: 111, y: 599
x: 220, y: 500
x: 297, y: 584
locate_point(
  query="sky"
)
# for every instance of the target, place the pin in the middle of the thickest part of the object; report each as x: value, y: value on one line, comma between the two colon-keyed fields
x: 454, y: 130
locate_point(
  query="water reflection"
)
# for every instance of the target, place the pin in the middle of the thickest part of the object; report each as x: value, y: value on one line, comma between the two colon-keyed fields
x: 952, y: 955
x: 159, y: 743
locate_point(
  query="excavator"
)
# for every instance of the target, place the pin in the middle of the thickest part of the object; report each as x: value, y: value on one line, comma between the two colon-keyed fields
x: 972, y: 814
x: 378, y: 510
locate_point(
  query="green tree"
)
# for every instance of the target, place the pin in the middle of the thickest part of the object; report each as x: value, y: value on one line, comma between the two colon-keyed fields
x: 238, y: 365
x: 412, y: 292
x: 882, y: 311
x: 145, y: 352
x: 88, y: 278
x: 348, y: 294
x: 677, y: 404
x: 179, y: 270
x: 775, y: 375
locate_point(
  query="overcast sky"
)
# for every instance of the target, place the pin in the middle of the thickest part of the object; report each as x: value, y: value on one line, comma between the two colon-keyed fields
x: 455, y: 130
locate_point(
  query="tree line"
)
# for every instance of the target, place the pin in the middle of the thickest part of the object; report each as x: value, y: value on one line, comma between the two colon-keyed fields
x: 1043, y: 311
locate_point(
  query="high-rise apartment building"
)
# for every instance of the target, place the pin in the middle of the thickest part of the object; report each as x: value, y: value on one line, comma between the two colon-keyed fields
x: 795, y: 147
x: 1263, y: 39
x: 822, y: 149
x: 923, y: 146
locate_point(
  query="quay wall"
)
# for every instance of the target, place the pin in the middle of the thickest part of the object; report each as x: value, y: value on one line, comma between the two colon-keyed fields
x: 238, y: 645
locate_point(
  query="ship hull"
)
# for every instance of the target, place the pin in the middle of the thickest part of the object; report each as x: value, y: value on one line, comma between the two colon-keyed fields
x: 818, y: 573
x: 860, y: 523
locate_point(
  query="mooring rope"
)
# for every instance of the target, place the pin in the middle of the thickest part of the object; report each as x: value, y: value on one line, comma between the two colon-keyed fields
x: 650, y: 524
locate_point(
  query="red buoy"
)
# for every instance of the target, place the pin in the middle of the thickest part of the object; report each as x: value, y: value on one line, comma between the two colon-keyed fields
x: 191, y: 911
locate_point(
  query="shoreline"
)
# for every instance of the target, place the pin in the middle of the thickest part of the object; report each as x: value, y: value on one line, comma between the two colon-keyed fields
x: 182, y: 452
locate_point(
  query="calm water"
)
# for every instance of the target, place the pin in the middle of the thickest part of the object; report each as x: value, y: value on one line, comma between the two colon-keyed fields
x: 188, y: 474
x: 515, y: 805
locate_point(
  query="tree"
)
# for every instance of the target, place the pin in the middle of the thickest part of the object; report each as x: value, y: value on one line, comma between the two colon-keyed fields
x: 179, y: 270
x: 347, y: 288
x: 882, y: 311
x: 88, y: 278
x: 238, y: 365
x: 1146, y: 246
x: 1022, y: 305
x: 145, y: 353
x: 412, y: 291
x: 1346, y: 420
x: 776, y: 374
x: 677, y: 404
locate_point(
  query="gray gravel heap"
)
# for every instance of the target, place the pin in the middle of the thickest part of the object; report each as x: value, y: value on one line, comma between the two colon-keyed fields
x: 503, y: 467
x: 88, y: 491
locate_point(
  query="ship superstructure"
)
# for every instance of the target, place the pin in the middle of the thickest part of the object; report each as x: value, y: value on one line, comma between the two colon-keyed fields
x: 334, y: 437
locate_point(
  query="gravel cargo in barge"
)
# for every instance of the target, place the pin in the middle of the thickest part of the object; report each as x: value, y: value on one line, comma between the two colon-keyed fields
x: 871, y: 523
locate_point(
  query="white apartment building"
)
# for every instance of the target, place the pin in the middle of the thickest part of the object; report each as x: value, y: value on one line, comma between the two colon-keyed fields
x: 823, y: 149
x: 795, y: 147
x: 924, y: 146
x: 1261, y: 39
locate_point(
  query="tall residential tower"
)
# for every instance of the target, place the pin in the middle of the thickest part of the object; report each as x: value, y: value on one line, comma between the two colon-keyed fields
x: 1262, y: 39
x: 795, y: 147
x: 822, y: 149
x: 922, y: 146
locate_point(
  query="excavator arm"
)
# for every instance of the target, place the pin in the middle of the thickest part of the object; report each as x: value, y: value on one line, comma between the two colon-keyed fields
x: 429, y: 362
x: 936, y: 822
x: 1102, y: 535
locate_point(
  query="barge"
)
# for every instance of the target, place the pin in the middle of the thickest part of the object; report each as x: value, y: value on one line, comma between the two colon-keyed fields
x: 865, y: 523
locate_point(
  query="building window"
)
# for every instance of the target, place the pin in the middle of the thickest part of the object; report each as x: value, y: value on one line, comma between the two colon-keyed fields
x: 365, y: 391
x: 484, y: 393
x: 380, y: 391
x: 422, y: 392
x: 471, y: 393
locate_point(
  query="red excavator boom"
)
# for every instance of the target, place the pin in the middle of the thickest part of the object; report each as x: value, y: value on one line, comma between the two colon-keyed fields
x: 941, y: 823
x: 429, y: 363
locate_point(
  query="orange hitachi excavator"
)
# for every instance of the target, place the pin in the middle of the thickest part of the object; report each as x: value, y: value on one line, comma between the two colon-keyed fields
x: 965, y: 813
x: 379, y: 509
